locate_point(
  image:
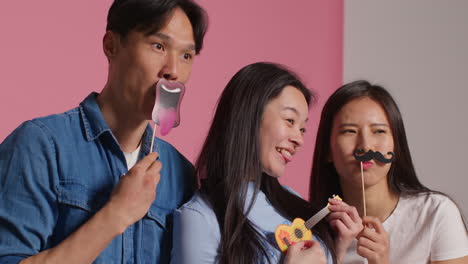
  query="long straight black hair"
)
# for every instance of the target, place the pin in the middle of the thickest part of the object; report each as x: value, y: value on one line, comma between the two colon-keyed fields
x: 230, y: 158
x: 324, y: 178
x: 401, y: 177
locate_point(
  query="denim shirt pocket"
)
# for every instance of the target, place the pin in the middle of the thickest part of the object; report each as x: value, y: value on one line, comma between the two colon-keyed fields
x: 75, y: 194
x: 158, y: 214
x: 157, y: 234
x: 76, y: 204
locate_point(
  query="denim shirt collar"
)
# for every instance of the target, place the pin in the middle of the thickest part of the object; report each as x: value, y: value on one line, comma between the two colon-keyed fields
x: 95, y: 125
x: 93, y: 121
x: 146, y: 141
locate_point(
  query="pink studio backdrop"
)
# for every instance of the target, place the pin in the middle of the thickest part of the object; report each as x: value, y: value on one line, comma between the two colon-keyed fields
x: 51, y: 58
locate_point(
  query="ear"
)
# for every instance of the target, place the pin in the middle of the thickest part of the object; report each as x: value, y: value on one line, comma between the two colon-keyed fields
x: 110, y: 44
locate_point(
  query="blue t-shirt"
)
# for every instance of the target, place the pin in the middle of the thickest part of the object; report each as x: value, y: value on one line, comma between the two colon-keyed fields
x: 197, y: 234
x: 57, y: 171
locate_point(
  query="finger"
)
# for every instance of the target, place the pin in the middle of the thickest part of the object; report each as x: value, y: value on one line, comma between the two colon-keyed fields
x: 354, y: 214
x: 350, y: 210
x: 316, y: 247
x: 311, y: 245
x: 343, y: 217
x: 371, y: 234
x: 155, y: 168
x: 375, y: 222
x: 154, y: 171
x: 296, y: 247
x: 336, y: 201
x: 145, y: 162
x: 308, y: 244
x: 365, y: 252
x: 337, y: 225
x: 367, y: 243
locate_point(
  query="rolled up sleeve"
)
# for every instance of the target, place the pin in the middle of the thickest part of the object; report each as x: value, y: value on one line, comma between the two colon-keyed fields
x: 28, y: 208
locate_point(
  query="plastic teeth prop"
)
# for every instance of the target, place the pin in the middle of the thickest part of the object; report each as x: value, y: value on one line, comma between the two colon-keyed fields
x: 166, y: 111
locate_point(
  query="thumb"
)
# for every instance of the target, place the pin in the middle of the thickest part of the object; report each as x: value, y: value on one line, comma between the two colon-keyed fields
x: 296, y: 247
x: 301, y: 245
x: 309, y: 244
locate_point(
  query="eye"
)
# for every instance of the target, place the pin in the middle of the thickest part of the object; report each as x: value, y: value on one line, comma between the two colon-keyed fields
x: 380, y: 131
x: 188, y: 56
x: 348, y: 131
x: 290, y: 121
x: 158, y: 46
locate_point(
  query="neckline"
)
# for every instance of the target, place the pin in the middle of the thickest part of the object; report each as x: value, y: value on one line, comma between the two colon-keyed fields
x: 394, y: 211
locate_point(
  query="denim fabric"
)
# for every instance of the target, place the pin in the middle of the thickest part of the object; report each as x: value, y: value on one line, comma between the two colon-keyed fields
x: 57, y: 171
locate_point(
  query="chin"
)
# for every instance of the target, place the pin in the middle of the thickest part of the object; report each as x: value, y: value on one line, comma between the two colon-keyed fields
x: 274, y: 174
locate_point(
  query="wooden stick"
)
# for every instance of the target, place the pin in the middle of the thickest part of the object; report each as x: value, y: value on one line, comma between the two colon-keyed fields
x: 154, y: 134
x: 363, y: 192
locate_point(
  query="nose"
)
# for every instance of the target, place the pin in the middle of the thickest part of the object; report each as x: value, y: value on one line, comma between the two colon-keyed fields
x: 363, y: 143
x: 169, y: 71
x: 297, y: 139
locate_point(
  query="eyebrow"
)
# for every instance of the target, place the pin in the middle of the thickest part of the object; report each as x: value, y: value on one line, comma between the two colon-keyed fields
x: 290, y: 108
x: 379, y: 124
x: 355, y: 125
x: 167, y: 38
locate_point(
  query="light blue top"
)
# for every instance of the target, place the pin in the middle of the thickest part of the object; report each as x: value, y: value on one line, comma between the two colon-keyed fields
x: 197, y: 234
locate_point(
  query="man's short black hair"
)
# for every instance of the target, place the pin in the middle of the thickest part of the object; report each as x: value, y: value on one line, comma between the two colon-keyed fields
x: 150, y: 16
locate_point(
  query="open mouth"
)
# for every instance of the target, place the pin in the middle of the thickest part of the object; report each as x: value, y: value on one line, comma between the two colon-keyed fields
x: 286, y: 154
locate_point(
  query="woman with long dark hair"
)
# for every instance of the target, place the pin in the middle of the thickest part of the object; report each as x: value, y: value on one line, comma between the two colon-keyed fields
x: 257, y: 128
x: 406, y: 222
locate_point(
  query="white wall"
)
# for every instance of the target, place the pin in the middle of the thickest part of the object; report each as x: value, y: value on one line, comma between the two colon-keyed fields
x: 418, y: 50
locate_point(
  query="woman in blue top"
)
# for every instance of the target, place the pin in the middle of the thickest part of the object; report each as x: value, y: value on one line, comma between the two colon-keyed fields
x: 258, y: 127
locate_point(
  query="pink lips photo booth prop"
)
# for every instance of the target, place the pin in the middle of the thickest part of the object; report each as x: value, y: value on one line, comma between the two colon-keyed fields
x: 166, y: 111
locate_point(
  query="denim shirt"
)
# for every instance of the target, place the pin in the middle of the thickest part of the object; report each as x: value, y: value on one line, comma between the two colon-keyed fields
x: 57, y: 171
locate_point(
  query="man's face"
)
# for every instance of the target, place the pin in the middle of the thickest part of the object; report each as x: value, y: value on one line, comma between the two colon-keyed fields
x: 140, y: 60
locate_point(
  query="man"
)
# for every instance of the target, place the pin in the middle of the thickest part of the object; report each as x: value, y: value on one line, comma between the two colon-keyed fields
x: 70, y: 191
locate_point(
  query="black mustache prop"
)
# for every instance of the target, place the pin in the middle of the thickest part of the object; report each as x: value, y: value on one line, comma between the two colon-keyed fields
x: 369, y: 155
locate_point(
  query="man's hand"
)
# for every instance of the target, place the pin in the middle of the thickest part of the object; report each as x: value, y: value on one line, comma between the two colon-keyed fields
x: 136, y: 191
x: 309, y: 252
x: 373, y: 242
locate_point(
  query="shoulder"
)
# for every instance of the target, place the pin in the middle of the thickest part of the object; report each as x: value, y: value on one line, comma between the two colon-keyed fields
x: 198, y: 216
x: 427, y: 224
x: 428, y: 209
x: 174, y: 155
x: 59, y: 121
x: 199, y: 205
x: 443, y: 206
x: 430, y: 202
x: 166, y: 146
x: 196, y: 232
x: 29, y: 136
x: 449, y: 238
x: 289, y: 189
x: 48, y: 127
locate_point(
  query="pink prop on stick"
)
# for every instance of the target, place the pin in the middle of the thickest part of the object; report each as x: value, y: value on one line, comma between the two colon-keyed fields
x: 166, y: 111
x: 167, y: 119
